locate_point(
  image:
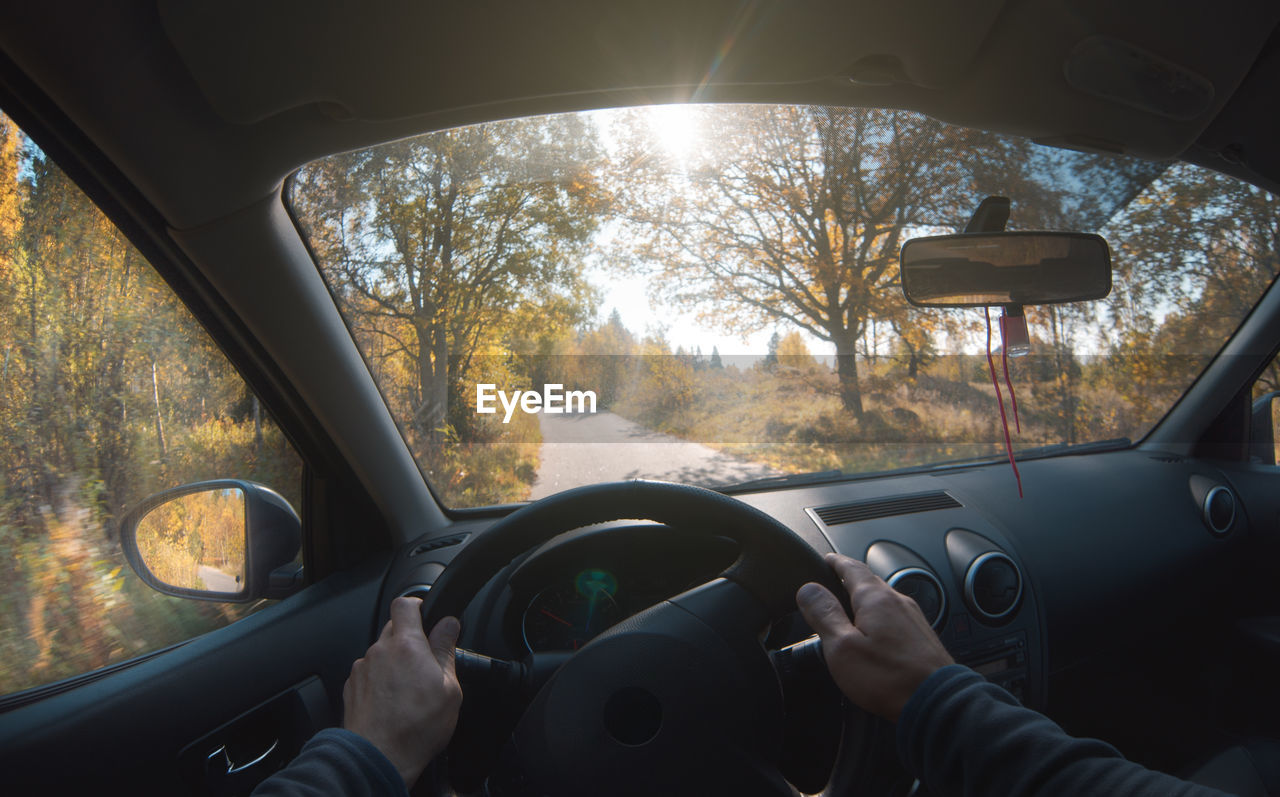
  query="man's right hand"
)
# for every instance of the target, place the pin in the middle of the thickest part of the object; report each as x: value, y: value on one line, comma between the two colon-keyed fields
x: 403, y: 695
x: 880, y: 656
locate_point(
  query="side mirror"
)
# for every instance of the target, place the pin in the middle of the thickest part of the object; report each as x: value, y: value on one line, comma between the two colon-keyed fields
x: 1262, y: 426
x: 224, y: 540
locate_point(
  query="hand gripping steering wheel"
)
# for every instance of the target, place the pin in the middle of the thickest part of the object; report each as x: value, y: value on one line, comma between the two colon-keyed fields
x: 681, y: 698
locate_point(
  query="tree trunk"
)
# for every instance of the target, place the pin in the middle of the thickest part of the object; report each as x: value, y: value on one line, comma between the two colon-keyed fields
x: 847, y: 370
x: 1062, y: 363
x: 433, y: 379
x: 155, y: 393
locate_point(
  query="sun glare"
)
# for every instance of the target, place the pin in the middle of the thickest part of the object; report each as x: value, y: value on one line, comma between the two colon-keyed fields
x: 674, y: 128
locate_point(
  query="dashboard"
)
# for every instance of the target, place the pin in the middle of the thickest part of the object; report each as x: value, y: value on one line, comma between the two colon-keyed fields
x: 1020, y: 590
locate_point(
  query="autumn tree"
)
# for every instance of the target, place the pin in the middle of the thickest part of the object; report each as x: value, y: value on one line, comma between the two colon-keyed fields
x: 432, y: 242
x: 793, y: 352
x: 797, y: 215
x: 1191, y: 256
x: 12, y: 193
x: 1204, y: 243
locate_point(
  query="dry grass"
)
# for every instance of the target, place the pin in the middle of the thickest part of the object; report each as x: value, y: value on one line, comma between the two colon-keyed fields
x: 792, y: 419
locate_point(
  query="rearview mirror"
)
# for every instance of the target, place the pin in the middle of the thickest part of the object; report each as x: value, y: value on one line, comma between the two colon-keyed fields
x: 1005, y: 268
x: 224, y: 540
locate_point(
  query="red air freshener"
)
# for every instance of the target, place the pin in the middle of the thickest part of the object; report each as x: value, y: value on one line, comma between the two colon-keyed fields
x: 1004, y: 421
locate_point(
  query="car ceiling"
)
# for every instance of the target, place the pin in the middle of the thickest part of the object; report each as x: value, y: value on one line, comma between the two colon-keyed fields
x: 207, y: 106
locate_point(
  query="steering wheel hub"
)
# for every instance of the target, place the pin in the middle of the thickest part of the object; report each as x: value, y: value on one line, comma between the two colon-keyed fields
x: 633, y: 716
x: 668, y: 691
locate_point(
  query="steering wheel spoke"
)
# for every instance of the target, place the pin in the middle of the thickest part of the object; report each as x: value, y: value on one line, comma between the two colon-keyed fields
x: 726, y: 607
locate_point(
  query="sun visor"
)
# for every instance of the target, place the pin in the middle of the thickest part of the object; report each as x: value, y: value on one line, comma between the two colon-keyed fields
x: 388, y: 59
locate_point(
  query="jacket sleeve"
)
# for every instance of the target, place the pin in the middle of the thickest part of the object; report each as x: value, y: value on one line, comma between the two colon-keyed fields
x: 960, y: 735
x: 335, y: 761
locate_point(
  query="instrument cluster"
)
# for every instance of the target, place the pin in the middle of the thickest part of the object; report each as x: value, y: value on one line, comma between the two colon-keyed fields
x: 575, y: 591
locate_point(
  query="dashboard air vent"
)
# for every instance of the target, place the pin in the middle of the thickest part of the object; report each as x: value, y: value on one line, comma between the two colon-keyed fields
x: 924, y: 588
x: 993, y: 586
x: 437, y: 544
x: 1219, y: 510
x: 1219, y: 507
x: 884, y: 507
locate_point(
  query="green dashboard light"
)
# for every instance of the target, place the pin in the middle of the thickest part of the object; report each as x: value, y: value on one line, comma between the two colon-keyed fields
x: 593, y: 581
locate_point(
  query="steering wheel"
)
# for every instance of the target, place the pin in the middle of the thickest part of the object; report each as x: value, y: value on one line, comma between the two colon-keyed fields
x: 681, y: 698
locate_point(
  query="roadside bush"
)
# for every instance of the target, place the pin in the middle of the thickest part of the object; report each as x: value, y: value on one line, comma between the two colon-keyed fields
x: 484, y: 473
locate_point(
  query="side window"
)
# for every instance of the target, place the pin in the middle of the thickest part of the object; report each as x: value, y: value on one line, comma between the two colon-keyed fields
x: 109, y: 391
x: 1267, y: 414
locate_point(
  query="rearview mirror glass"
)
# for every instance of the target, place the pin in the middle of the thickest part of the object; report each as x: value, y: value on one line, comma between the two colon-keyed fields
x: 196, y: 541
x: 1006, y: 268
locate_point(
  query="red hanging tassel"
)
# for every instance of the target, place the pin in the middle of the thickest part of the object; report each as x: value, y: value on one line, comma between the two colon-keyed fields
x: 1004, y: 421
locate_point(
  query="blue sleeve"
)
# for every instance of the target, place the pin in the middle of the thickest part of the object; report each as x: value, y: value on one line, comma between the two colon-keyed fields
x: 335, y: 761
x: 960, y: 735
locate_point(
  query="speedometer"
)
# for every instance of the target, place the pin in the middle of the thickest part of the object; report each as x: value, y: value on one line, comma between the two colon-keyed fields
x: 570, y: 614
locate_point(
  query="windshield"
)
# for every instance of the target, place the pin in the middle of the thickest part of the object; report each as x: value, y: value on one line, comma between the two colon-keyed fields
x: 710, y: 294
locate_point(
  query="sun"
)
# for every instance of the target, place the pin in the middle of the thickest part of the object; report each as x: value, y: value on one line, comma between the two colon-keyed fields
x: 675, y: 128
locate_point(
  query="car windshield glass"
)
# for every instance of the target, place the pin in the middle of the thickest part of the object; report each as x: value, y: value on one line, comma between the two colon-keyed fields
x: 710, y: 294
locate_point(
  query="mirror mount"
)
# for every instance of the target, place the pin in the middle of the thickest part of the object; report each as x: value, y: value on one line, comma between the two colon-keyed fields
x: 284, y: 581
x: 270, y: 533
x: 991, y: 215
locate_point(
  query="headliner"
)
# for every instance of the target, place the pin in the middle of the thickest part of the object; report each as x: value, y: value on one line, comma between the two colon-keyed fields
x: 206, y: 106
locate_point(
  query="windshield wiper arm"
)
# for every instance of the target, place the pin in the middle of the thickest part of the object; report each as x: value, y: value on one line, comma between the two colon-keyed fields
x: 788, y: 480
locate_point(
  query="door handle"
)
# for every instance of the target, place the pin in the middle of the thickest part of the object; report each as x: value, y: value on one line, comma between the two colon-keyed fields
x: 230, y: 767
x: 224, y: 777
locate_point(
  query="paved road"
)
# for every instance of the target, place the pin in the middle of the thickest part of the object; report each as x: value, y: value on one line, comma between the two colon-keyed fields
x: 218, y: 581
x: 584, y: 449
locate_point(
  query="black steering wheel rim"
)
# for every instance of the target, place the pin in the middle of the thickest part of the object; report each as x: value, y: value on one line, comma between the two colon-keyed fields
x: 773, y: 561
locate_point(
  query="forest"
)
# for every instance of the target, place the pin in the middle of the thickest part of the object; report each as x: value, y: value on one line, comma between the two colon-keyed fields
x: 484, y: 255
x: 109, y: 391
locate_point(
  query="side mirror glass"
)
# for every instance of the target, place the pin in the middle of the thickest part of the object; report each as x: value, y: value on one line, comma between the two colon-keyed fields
x: 1005, y: 268
x: 196, y: 541
x: 224, y: 540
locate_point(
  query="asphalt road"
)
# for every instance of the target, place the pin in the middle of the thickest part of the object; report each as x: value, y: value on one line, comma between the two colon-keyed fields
x: 587, y: 448
x: 216, y: 580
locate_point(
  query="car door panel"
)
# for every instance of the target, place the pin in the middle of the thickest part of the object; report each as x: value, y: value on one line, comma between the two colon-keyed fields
x: 129, y: 731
